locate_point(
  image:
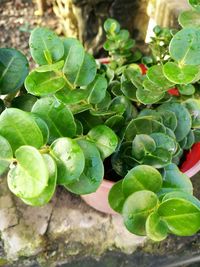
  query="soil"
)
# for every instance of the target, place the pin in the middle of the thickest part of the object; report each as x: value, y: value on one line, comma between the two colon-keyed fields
x: 18, y: 18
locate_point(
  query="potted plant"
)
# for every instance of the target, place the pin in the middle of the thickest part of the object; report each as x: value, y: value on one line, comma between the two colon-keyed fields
x: 79, y: 121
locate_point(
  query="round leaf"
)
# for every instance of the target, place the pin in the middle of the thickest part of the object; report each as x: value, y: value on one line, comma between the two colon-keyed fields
x: 93, y: 173
x: 180, y: 74
x: 68, y: 96
x: 116, y: 197
x: 148, y: 97
x: 143, y: 126
x: 181, y: 216
x: 189, y: 19
x: 57, y: 116
x: 45, y: 46
x: 19, y: 128
x: 142, y: 144
x: 156, y: 229
x: 195, y: 4
x: 30, y: 176
x: 13, y: 70
x: 142, y: 177
x: 187, y: 89
x: 158, y: 158
x: 105, y: 140
x: 164, y: 141
x: 69, y: 158
x: 24, y: 102
x: 52, y: 67
x: 183, y: 118
x: 44, y: 83
x: 156, y: 75
x: 97, y: 90
x: 184, y: 47
x: 49, y: 190
x: 193, y: 106
x: 136, y: 210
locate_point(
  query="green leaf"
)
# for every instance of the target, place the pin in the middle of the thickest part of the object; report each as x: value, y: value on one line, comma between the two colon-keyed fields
x: 156, y: 228
x: 13, y: 70
x: 49, y: 190
x: 105, y: 140
x: 44, y: 83
x: 68, y: 96
x: 195, y: 4
x: 93, y: 173
x: 24, y: 102
x: 180, y: 74
x: 111, y: 26
x: 30, y: 176
x: 189, y: 19
x: 190, y: 140
x: 148, y: 97
x: 175, y: 180
x: 187, y: 89
x: 183, y: 195
x: 97, y: 89
x: 143, y: 126
x: 57, y: 116
x: 129, y: 90
x: 69, y: 158
x: 196, y: 135
x: 45, y: 46
x: 193, y: 106
x: 115, y: 122
x: 142, y: 145
x: 135, y: 76
x: 6, y: 155
x: 181, y: 216
x: 164, y: 141
x: 116, y: 197
x: 184, y: 46
x: 79, y: 67
x: 142, y: 177
x: 52, y: 67
x: 169, y: 119
x: 183, y: 118
x: 156, y: 75
x: 158, y: 158
x: 136, y: 210
x: 19, y: 128
x: 42, y: 126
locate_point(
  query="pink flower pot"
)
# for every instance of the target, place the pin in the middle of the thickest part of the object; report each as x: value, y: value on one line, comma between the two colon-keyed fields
x: 99, y: 199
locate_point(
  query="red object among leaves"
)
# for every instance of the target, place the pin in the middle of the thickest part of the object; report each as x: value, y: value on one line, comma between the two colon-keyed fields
x: 143, y: 68
x: 174, y: 91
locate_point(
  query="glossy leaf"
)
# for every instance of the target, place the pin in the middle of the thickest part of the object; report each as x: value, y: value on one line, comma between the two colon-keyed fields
x: 164, y: 141
x: 24, y: 102
x: 42, y: 126
x: 136, y: 210
x: 19, y: 128
x: 188, y: 89
x: 178, y: 215
x: 69, y: 158
x: 115, y: 122
x: 156, y: 228
x: 189, y: 19
x: 184, y: 47
x: 58, y: 117
x: 6, y: 155
x: 116, y: 197
x: 156, y: 75
x: 51, y: 67
x: 97, y: 89
x: 180, y: 75
x: 30, y: 176
x: 79, y: 67
x: 175, y: 180
x: 111, y: 26
x: 159, y: 158
x: 143, y: 126
x: 44, y: 83
x: 49, y: 190
x: 148, y: 97
x: 195, y: 4
x: 13, y: 70
x: 104, y: 138
x: 93, y: 172
x: 183, y: 195
x: 169, y: 119
x: 45, y: 46
x: 142, y: 177
x: 183, y: 118
x: 142, y: 144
